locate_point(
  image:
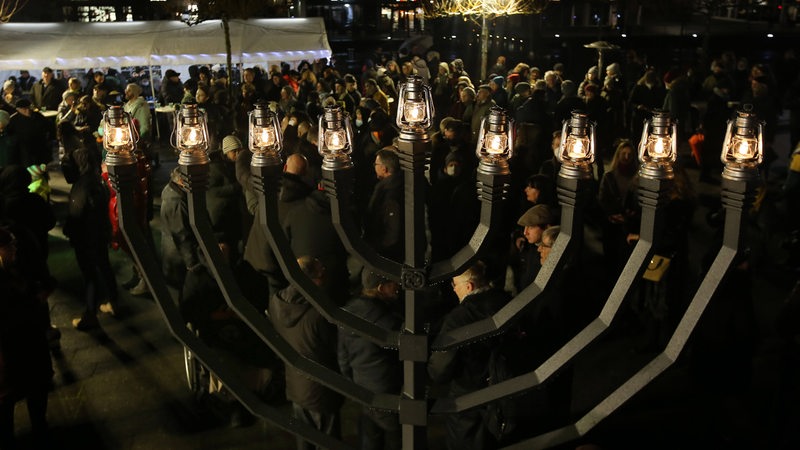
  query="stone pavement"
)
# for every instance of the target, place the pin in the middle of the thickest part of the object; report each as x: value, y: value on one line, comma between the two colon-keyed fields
x: 125, y: 387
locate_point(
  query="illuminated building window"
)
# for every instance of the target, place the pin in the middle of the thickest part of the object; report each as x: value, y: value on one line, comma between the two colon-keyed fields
x: 102, y: 14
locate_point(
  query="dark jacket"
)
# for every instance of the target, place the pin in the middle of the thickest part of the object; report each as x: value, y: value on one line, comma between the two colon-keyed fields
x: 383, y: 221
x: 312, y: 336
x: 47, y: 96
x: 465, y: 367
x: 534, y: 110
x: 257, y: 252
x: 25, y: 365
x: 171, y: 92
x: 87, y: 225
x: 23, y: 207
x: 179, y: 249
x: 32, y: 136
x: 222, y: 200
x: 310, y: 230
x: 452, y: 197
x: 366, y: 363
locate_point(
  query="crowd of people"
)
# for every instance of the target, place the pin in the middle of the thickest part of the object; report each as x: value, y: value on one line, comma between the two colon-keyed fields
x: 539, y: 100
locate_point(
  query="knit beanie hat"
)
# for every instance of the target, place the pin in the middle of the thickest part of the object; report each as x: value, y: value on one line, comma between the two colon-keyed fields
x: 230, y: 143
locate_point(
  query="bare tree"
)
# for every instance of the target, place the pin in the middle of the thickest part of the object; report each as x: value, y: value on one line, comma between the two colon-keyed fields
x: 10, y: 7
x: 480, y: 11
x: 197, y: 11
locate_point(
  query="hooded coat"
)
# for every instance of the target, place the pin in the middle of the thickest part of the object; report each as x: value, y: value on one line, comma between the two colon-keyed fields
x: 312, y: 336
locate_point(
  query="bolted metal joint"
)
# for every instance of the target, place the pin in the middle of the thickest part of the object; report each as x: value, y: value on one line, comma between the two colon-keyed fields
x: 412, y: 279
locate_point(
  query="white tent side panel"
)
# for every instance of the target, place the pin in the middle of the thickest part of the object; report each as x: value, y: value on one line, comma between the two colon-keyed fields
x: 68, y: 45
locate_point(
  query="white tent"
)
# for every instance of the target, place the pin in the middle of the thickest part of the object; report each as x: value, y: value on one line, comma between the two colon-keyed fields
x: 69, y: 45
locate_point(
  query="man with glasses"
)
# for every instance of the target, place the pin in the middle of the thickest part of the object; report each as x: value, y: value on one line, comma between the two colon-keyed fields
x: 465, y: 369
x: 383, y: 221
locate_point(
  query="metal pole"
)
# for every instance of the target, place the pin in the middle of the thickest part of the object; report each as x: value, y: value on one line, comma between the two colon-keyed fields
x: 484, y: 47
x: 412, y: 149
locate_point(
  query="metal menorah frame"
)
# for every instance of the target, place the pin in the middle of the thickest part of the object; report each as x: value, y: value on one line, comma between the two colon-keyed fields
x: 415, y: 274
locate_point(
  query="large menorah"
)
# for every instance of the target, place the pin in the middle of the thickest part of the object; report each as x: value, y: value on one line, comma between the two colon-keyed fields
x: 741, y: 154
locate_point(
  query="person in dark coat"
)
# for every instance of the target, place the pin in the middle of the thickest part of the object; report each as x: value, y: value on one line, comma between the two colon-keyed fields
x: 612, y: 197
x: 32, y: 132
x: 534, y: 222
x: 20, y: 205
x: 46, y: 93
x: 89, y: 231
x: 30, y: 211
x: 499, y: 94
x: 678, y: 101
x: 383, y: 221
x: 553, y: 319
x: 171, y: 88
x: 534, y: 109
x: 304, y: 328
x: 294, y: 190
x: 199, y: 294
x: 452, y: 195
x: 309, y: 227
x: 568, y: 102
x: 465, y: 369
x: 26, y: 370
x: 597, y: 109
x: 378, y: 134
x: 178, y: 245
x: 222, y: 201
x: 371, y: 366
x: 454, y: 138
x: 648, y: 94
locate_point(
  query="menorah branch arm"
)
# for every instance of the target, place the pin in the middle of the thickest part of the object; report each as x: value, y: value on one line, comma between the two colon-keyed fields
x: 265, y: 179
x: 492, y: 189
x: 196, y: 176
x: 574, y: 195
x: 737, y: 196
x: 653, y: 193
x: 338, y: 185
x: 123, y: 179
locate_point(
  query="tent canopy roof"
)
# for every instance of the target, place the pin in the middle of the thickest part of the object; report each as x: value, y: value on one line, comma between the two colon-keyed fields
x: 123, y: 44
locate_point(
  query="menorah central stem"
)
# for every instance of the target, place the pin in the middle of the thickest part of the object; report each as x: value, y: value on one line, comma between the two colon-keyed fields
x: 412, y: 150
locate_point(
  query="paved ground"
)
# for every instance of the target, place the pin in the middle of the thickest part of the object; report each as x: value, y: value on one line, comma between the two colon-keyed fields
x: 124, y: 388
